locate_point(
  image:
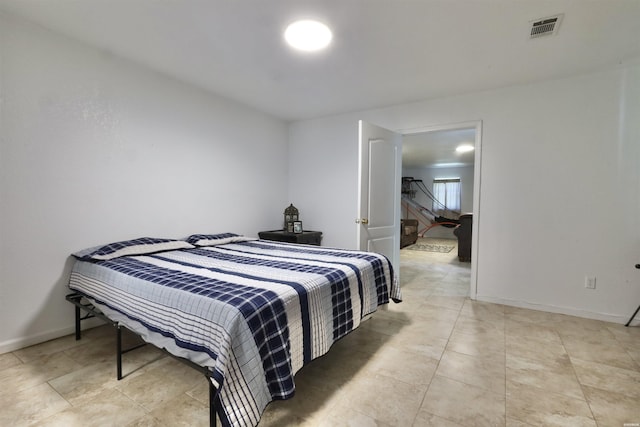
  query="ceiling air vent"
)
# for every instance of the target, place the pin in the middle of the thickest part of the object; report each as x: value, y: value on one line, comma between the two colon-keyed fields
x: 545, y: 26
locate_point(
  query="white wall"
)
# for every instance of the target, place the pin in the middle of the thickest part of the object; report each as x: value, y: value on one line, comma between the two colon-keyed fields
x: 95, y: 149
x: 559, y: 190
x: 323, y: 176
x: 427, y: 175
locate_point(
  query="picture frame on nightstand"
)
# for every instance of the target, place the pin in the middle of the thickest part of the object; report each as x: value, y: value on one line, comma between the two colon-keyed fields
x: 297, y: 227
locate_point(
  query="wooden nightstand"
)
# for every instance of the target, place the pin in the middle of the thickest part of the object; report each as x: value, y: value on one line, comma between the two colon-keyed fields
x: 306, y: 237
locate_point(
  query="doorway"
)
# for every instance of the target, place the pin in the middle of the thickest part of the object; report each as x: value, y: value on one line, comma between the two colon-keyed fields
x: 429, y: 153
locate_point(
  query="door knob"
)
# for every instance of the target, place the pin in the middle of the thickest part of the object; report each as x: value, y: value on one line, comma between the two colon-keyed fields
x: 363, y: 221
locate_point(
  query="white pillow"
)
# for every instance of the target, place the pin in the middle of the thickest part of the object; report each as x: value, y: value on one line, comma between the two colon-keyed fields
x: 140, y: 246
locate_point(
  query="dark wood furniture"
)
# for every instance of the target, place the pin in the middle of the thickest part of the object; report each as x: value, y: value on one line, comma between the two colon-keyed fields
x: 463, y: 233
x: 306, y: 237
x: 408, y: 232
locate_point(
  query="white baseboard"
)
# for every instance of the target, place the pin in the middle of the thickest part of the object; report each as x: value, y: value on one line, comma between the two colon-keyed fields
x: 22, y: 342
x: 605, y: 317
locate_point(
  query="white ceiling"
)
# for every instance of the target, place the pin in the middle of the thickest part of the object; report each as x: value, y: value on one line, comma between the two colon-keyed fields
x: 437, y: 149
x: 384, y: 52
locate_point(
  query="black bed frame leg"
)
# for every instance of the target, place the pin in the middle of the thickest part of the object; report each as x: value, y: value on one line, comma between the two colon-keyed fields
x: 77, y: 323
x: 212, y: 404
x: 119, y: 351
x: 75, y: 298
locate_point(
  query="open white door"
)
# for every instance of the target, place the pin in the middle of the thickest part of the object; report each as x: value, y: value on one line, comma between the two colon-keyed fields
x: 380, y: 175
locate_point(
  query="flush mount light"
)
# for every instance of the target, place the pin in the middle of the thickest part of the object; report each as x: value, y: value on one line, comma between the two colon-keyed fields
x: 464, y: 148
x: 308, y: 35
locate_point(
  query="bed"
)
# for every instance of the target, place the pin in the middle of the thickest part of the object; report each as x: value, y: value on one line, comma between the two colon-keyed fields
x: 249, y: 312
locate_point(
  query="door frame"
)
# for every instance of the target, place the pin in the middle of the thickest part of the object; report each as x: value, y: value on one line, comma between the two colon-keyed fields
x: 477, y: 167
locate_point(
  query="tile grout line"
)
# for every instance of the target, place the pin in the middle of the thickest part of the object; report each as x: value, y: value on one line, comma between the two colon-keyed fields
x: 439, y: 360
x: 573, y: 368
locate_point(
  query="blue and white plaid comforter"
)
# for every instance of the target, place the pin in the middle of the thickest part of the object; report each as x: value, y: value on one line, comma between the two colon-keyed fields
x: 254, y: 312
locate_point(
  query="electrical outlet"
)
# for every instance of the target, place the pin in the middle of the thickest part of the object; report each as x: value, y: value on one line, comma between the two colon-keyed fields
x: 590, y: 282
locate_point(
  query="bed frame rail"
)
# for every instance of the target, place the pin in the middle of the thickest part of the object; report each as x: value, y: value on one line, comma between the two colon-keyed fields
x: 82, y: 303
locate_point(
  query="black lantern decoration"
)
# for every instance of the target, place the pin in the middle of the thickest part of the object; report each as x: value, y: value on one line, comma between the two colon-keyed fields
x: 291, y: 215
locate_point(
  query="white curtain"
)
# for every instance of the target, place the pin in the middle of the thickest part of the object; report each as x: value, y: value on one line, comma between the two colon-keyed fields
x: 447, y: 193
x: 439, y: 194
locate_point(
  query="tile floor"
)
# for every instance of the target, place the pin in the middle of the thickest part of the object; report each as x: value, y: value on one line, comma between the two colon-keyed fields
x: 437, y: 359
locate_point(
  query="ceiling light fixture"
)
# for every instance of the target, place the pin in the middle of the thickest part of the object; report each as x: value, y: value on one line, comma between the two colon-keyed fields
x: 464, y: 148
x: 308, y: 35
x: 447, y: 165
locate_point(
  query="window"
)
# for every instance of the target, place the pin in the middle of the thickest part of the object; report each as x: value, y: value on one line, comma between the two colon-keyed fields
x: 446, y: 192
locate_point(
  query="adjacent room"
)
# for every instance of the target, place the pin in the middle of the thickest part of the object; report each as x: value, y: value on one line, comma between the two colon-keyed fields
x: 490, y: 286
x: 437, y: 190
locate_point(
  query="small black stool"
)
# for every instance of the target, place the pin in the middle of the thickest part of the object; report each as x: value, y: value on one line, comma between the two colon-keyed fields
x: 637, y: 309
